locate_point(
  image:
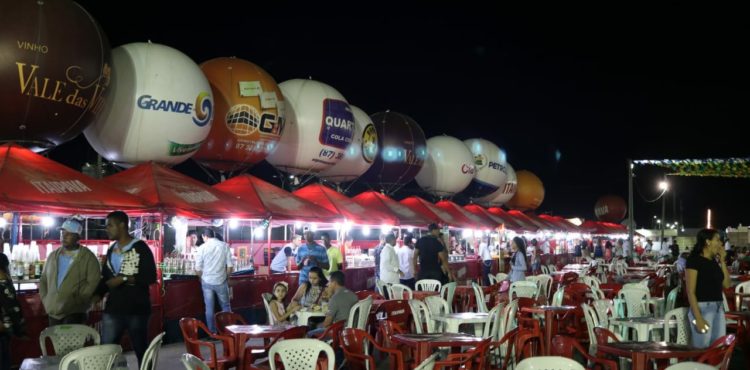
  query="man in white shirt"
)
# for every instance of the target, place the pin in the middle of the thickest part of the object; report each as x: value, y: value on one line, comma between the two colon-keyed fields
x: 389, y: 264
x: 214, y: 264
x: 727, y: 245
x: 486, y: 256
x: 405, y: 256
x: 281, y: 260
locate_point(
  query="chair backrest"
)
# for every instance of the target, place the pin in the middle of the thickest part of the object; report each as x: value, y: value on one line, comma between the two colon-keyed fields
x: 501, y: 276
x: 359, y: 314
x: 437, y: 307
x: 719, y: 352
x: 592, y: 321
x: 151, y: 356
x: 224, y: 319
x: 548, y: 363
x: 604, y: 310
x: 399, y: 291
x: 742, y: 287
x: 545, y: 285
x: 381, y: 285
x: 300, y: 354
x: 356, y: 345
x: 681, y: 316
x: 508, y: 320
x: 362, y: 294
x: 557, y: 298
x: 430, y: 285
x: 690, y: 365
x: 67, y: 338
x: 397, y: 311
x: 671, y: 299
x: 545, y: 270
x: 422, y: 318
x: 479, y: 297
x: 597, y: 293
x: 189, y: 327
x: 101, y: 357
x: 635, y: 300
x: 591, y: 281
x: 386, y: 329
x: 193, y: 363
x: 552, y: 268
x: 492, y: 325
x: 528, y: 289
x: 447, y: 291
x: 267, y: 304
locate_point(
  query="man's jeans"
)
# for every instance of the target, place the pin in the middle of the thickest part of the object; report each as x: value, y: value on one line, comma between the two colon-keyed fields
x: 713, y: 315
x: 486, y: 271
x: 222, y: 291
x: 114, y: 325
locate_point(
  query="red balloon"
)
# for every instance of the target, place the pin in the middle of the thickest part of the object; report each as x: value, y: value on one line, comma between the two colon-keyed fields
x: 610, y: 208
x: 529, y: 193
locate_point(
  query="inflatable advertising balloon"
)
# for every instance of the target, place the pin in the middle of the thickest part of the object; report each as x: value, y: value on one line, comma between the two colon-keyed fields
x: 359, y: 155
x: 319, y: 128
x: 504, y: 193
x: 163, y: 107
x: 490, y: 162
x: 55, y: 71
x: 610, y: 208
x: 402, y: 149
x: 530, y: 192
x: 249, y: 115
x: 448, y: 168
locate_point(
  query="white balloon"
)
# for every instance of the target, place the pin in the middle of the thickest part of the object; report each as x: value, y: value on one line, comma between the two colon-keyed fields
x: 448, y: 167
x: 360, y: 154
x: 506, y: 192
x: 162, y: 107
x: 310, y: 143
x: 490, y: 163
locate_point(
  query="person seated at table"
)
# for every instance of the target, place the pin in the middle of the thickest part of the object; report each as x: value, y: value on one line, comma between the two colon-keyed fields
x: 310, y: 293
x: 341, y: 303
x: 280, y: 314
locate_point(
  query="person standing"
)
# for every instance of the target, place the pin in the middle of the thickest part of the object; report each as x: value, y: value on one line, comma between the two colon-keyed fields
x: 213, y: 264
x: 335, y: 259
x: 127, y: 274
x: 10, y: 313
x: 70, y: 278
x: 281, y: 260
x: 707, y: 277
x: 378, y: 249
x: 432, y: 257
x: 517, y: 260
x: 405, y: 255
x: 486, y: 256
x: 310, y: 255
x: 390, y: 271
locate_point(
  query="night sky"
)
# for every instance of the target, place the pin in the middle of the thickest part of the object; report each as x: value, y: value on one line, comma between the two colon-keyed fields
x: 570, y: 94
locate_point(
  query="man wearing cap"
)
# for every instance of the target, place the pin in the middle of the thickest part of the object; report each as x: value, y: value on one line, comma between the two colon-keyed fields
x: 69, y: 278
x: 432, y: 257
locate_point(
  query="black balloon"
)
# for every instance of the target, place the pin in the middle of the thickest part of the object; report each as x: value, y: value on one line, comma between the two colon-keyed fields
x: 403, y: 148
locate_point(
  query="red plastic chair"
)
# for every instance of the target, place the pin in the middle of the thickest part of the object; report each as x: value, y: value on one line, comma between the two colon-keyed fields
x: 224, y: 319
x: 386, y: 330
x: 566, y: 346
x: 189, y: 327
x: 568, y: 278
x: 354, y: 342
x: 333, y: 332
x: 530, y: 339
x: 362, y: 294
x: 495, y: 359
x: 474, y: 359
x: 397, y: 311
x: 719, y: 352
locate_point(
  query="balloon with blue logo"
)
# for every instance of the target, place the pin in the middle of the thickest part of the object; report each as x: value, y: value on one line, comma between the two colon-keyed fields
x: 490, y: 163
x: 360, y: 154
x: 319, y: 128
x: 505, y: 192
x: 162, y: 107
x: 448, y: 168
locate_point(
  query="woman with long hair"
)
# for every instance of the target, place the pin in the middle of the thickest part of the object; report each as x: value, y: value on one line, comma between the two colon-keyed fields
x: 10, y: 313
x: 310, y: 293
x: 518, y: 260
x: 707, y: 276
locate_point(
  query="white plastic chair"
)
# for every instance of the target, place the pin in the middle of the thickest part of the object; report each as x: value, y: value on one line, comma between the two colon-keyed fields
x: 681, y: 316
x: 300, y: 354
x: 557, y: 298
x: 635, y: 301
x: 528, y: 289
x: 422, y: 316
x: 552, y: 268
x: 428, y: 363
x: 545, y: 270
x: 381, y: 285
x: 267, y: 304
x: 492, y: 325
x: 501, y: 276
x: 742, y: 287
x: 429, y: 285
x: 479, y: 297
x: 545, y: 285
x: 360, y: 311
x: 437, y: 307
x: 193, y: 363
x: 151, y: 356
x: 689, y: 365
x: 548, y: 363
x: 671, y: 299
x: 492, y: 279
x: 447, y: 291
x: 67, y: 338
x: 396, y: 291
x: 101, y: 357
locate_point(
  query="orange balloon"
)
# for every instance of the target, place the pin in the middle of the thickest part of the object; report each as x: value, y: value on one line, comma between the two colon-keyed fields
x: 610, y: 208
x: 529, y: 193
x: 248, y: 118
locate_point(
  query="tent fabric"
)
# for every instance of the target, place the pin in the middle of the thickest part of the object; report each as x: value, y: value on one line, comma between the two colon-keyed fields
x: 563, y: 224
x: 433, y: 213
x: 30, y: 182
x: 280, y: 204
x: 524, y: 223
x: 521, y: 217
x: 344, y: 207
x: 500, y: 220
x: 603, y: 228
x: 406, y: 216
x: 174, y: 193
x: 477, y: 222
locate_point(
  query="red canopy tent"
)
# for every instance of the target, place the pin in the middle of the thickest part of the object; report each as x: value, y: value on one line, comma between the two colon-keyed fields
x: 174, y: 193
x: 477, y: 222
x: 603, y: 228
x: 433, y: 213
x: 523, y: 222
x: 500, y: 220
x: 344, y: 207
x: 521, y: 217
x: 30, y: 182
x: 278, y: 203
x: 562, y: 223
x: 374, y: 200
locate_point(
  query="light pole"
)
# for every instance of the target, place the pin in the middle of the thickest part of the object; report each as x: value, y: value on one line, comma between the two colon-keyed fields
x: 664, y: 186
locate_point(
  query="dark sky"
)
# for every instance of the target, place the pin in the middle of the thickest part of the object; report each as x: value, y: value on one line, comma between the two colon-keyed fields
x: 598, y: 85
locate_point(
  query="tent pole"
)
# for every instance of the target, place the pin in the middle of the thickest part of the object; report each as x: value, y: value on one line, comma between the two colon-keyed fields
x: 631, y: 219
